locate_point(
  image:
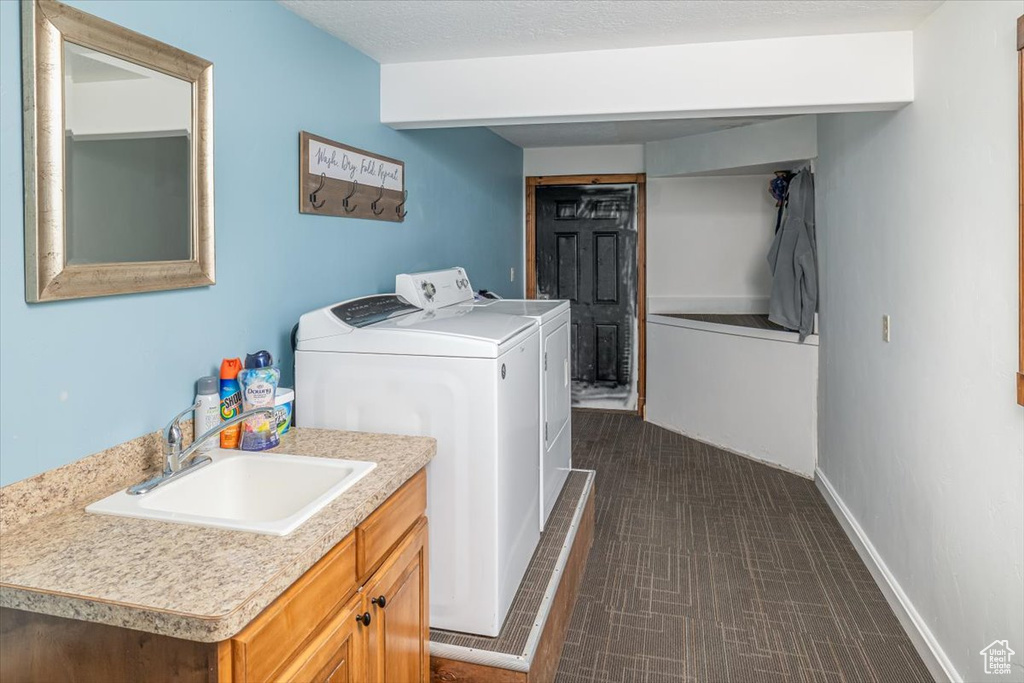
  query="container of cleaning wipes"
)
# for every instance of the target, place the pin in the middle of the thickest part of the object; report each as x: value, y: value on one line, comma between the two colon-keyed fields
x: 258, y: 382
x: 284, y: 401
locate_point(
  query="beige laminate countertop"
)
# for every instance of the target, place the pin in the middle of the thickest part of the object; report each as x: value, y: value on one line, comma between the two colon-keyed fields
x: 174, y: 579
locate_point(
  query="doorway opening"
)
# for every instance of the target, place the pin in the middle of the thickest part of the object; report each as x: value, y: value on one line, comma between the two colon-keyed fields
x: 586, y: 242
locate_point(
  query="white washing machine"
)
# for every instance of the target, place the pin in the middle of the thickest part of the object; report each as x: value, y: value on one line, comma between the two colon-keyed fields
x: 467, y: 378
x: 445, y: 288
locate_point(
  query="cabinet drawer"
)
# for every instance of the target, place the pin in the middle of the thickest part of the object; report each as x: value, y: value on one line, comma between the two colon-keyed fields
x: 335, y: 656
x: 284, y: 627
x: 388, y: 523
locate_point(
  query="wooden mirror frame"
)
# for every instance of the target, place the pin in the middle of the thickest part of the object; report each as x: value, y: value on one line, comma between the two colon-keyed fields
x: 45, y: 25
x: 1020, y: 199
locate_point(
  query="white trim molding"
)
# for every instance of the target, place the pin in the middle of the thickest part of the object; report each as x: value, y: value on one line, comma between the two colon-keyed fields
x: 924, y: 640
x: 734, y: 330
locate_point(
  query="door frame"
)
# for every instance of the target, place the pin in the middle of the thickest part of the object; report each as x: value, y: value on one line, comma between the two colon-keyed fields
x: 640, y: 180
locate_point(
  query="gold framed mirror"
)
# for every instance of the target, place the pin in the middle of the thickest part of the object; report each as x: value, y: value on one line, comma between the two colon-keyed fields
x: 118, y: 132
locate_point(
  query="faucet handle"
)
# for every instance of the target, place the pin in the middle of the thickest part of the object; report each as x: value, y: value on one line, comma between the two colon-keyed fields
x: 172, y: 432
x: 172, y: 438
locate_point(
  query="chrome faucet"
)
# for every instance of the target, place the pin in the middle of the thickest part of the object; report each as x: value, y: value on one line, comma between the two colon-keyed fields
x: 172, y: 441
x: 178, y: 461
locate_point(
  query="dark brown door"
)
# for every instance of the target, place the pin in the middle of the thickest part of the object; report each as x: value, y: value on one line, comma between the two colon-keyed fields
x: 586, y: 253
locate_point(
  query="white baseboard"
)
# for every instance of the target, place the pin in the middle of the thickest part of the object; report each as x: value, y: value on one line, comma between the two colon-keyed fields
x: 707, y: 304
x: 924, y: 641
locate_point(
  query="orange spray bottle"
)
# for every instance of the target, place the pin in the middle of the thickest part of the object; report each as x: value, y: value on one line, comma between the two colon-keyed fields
x: 230, y: 400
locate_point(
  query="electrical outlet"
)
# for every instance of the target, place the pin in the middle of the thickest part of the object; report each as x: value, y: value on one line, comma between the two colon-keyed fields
x: 511, y: 274
x: 885, y: 328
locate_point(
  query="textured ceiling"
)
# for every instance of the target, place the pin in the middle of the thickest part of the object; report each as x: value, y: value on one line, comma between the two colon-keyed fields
x: 415, y: 30
x: 616, y: 132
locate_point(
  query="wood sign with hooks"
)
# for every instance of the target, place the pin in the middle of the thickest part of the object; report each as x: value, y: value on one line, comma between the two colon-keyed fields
x: 338, y: 180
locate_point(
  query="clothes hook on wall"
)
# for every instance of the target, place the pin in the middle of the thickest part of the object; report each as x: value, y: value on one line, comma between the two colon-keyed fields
x: 398, y: 207
x: 373, y: 206
x: 349, y: 208
x: 312, y: 195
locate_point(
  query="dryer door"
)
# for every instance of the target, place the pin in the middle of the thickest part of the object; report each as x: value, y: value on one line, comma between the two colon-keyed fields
x: 557, y: 392
x: 556, y: 430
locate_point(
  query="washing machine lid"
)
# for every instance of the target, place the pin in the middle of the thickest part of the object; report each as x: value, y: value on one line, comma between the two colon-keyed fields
x: 389, y: 324
x: 540, y: 309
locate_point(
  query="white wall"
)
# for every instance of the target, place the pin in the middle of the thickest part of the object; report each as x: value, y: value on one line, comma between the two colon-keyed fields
x: 771, y: 142
x: 707, y: 242
x: 829, y: 73
x: 749, y: 392
x: 921, y: 438
x: 583, y: 160
x: 707, y: 237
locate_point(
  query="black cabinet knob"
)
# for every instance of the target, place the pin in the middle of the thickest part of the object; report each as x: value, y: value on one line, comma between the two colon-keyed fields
x: 363, y: 618
x: 380, y: 602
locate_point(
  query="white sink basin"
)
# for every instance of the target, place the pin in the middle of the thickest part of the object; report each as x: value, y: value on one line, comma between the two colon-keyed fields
x: 267, y: 493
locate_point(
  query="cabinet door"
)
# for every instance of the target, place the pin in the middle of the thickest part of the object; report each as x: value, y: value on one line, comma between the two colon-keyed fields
x: 336, y: 656
x: 286, y: 629
x: 396, y: 598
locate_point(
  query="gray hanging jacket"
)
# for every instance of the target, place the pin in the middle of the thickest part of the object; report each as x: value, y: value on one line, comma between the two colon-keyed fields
x: 793, y: 260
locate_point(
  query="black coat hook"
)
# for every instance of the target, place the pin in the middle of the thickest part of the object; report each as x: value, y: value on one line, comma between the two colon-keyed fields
x: 398, y: 207
x: 312, y: 195
x: 373, y: 206
x: 349, y: 208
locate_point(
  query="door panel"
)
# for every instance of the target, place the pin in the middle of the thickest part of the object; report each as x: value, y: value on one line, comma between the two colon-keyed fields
x: 402, y: 657
x: 586, y: 242
x: 568, y: 267
x: 334, y: 658
x: 607, y: 353
x: 398, y: 638
x: 606, y: 268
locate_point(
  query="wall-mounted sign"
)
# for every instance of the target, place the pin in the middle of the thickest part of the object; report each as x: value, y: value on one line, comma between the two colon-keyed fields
x: 338, y: 180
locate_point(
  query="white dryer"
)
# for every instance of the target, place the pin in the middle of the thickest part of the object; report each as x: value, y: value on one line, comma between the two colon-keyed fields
x: 451, y: 287
x: 467, y: 378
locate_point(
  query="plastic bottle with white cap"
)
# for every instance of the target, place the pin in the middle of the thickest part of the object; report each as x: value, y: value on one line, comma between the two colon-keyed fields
x: 207, y: 415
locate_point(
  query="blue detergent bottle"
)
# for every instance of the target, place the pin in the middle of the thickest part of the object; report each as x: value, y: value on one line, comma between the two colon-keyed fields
x: 259, y: 382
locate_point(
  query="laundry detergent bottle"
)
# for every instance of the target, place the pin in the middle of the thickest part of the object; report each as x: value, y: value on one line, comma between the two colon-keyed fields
x: 259, y: 382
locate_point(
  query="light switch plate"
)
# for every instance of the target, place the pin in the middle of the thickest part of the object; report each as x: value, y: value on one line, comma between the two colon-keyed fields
x: 885, y: 328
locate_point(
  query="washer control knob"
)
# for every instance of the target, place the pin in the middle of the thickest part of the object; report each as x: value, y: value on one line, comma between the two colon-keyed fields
x: 429, y: 290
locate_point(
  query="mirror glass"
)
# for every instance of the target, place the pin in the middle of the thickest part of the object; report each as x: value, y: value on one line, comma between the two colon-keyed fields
x: 127, y: 170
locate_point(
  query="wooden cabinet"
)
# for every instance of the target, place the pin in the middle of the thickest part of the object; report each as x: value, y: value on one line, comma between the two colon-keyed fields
x: 381, y: 635
x: 337, y: 624
x: 338, y: 656
x: 396, y: 600
x: 359, y: 615
x: 386, y: 525
x: 295, y: 618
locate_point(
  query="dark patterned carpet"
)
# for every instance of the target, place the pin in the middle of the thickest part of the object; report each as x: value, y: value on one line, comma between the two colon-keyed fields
x: 710, y: 567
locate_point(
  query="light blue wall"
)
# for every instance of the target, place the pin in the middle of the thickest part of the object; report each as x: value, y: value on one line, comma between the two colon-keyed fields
x: 80, y: 376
